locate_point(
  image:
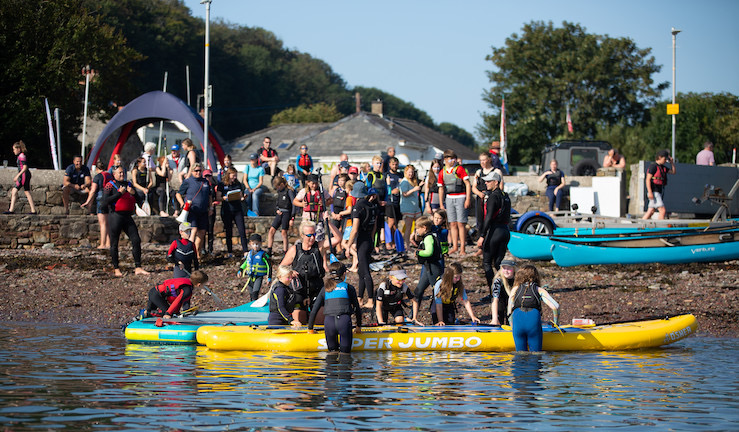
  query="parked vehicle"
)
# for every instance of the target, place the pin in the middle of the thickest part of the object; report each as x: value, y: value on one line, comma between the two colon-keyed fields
x: 575, y: 157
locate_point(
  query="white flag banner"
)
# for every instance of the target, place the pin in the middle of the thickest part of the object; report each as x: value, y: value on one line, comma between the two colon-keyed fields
x: 52, y: 140
x: 503, y: 136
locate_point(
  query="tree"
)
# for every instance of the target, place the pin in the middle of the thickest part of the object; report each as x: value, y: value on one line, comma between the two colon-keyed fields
x: 318, y: 113
x: 604, y: 81
x: 458, y: 134
x: 45, y: 45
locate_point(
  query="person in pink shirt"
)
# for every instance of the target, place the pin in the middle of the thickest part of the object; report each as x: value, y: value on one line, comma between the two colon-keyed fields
x: 705, y: 156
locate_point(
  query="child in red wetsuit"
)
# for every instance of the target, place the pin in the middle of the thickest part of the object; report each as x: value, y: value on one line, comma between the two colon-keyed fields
x: 167, y: 298
x: 182, y: 254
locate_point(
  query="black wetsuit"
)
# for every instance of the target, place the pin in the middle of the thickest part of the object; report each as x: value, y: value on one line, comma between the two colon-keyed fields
x: 367, y: 213
x: 281, y: 305
x: 495, y: 232
x: 338, y: 306
x: 183, y: 251
x: 121, y: 207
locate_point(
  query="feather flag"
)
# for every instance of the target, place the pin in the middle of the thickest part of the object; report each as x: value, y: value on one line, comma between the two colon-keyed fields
x: 569, y: 120
x: 503, y: 136
x: 52, y: 140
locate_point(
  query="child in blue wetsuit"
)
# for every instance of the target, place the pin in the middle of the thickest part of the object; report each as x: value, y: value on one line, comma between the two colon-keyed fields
x: 524, y: 308
x: 339, y: 300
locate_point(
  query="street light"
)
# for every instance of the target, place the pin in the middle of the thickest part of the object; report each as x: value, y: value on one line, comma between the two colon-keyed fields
x: 674, y: 119
x: 207, y: 78
x: 89, y: 75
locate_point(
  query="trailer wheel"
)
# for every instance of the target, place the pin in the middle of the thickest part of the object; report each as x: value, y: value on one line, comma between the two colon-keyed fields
x: 537, y: 225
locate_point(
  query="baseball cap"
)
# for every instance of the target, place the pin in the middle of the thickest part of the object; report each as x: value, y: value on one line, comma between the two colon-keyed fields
x: 176, y: 147
x: 353, y: 170
x: 509, y: 263
x: 492, y: 176
x: 185, y: 226
x: 344, y: 164
x: 254, y: 156
x: 398, y: 274
x: 207, y: 172
x: 311, y: 177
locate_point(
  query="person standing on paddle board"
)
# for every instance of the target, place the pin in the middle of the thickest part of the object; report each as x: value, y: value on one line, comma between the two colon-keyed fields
x: 172, y: 295
x: 524, y: 309
x: 339, y: 302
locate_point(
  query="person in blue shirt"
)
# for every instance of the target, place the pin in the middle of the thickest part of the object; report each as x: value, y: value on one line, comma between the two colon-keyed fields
x: 77, y: 183
x: 196, y: 192
x: 253, y: 181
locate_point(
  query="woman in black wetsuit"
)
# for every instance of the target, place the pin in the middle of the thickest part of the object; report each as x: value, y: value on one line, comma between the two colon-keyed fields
x: 282, y: 298
x: 118, y: 196
x: 364, y: 217
x: 232, y: 196
x: 495, y: 234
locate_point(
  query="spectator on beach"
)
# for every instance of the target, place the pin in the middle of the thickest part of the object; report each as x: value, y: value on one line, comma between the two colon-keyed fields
x: 410, y: 207
x: 174, y: 158
x: 309, y: 199
x: 494, y: 235
x: 151, y: 161
x: 705, y: 156
x: 495, y: 158
x: 555, y: 179
x: 268, y: 157
x: 291, y: 177
x: 227, y: 163
x: 77, y: 183
x: 524, y: 309
x: 377, y: 180
x: 119, y: 198
x: 22, y: 179
x: 162, y: 175
x: 190, y: 159
x: 173, y: 295
x: 182, y: 253
x: 389, y: 154
x: 656, y: 181
x: 339, y: 196
x: 353, y: 173
x: 284, y: 213
x: 364, y: 169
x: 480, y: 191
x: 101, y: 179
x: 195, y: 190
x: 231, y: 194
x: 208, y: 175
x: 446, y: 292
x: 304, y: 163
x: 253, y: 181
x: 455, y: 197
x: 614, y: 159
x: 343, y: 170
x: 392, y: 207
x: 141, y: 180
x: 431, y: 187
x: 336, y: 169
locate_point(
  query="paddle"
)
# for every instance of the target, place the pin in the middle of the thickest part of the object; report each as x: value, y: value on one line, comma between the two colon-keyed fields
x: 326, y: 221
x: 215, y: 297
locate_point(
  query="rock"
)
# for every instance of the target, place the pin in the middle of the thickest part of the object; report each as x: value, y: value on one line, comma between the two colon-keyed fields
x: 48, y: 246
x: 654, y: 287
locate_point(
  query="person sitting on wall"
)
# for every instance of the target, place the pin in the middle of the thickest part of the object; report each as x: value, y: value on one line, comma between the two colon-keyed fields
x: 614, y: 159
x: 77, y: 183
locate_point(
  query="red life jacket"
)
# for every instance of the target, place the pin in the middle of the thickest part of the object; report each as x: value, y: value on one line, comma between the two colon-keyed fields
x: 171, y: 288
x: 312, y: 202
x: 126, y: 202
x: 107, y: 177
x: 267, y: 152
x: 304, y: 161
x: 660, y: 177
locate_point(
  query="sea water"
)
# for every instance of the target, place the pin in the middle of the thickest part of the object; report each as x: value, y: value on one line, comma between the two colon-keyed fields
x: 81, y: 378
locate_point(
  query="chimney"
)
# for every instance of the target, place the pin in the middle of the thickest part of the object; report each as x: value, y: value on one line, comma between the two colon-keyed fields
x: 358, y: 101
x: 377, y: 107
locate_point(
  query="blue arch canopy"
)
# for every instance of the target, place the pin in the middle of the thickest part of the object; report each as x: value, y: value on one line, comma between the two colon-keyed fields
x: 153, y: 107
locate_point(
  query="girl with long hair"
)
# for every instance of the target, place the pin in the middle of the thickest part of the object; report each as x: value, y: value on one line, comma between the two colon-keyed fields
x: 446, y: 292
x: 524, y: 309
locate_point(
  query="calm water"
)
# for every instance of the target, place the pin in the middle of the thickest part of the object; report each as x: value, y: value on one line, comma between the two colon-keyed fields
x: 78, y: 378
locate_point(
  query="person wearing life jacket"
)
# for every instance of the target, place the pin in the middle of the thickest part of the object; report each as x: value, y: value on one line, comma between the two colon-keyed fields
x: 499, y: 291
x: 429, y: 256
x: 392, y: 207
x: 309, y: 199
x: 304, y: 163
x: 364, y: 215
x: 656, y: 181
x: 282, y: 298
x: 339, y: 301
x: 431, y: 187
x: 118, y: 197
x: 495, y: 158
x: 479, y: 191
x: 182, y: 254
x: 524, y: 309
x: 446, y: 291
x: 377, y: 180
x: 306, y: 259
x: 173, y: 295
x: 256, y: 266
x: 555, y: 180
x: 268, y: 157
x: 495, y: 234
x: 232, y: 196
x: 102, y: 178
x: 283, y: 213
x: 390, y: 295
x: 455, y: 197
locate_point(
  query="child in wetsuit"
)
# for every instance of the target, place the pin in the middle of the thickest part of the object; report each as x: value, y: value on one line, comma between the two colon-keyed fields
x: 255, y: 267
x: 390, y: 296
x: 172, y: 295
x: 182, y: 254
x: 339, y: 300
x: 429, y: 256
x: 446, y: 292
x: 524, y: 308
x: 500, y: 290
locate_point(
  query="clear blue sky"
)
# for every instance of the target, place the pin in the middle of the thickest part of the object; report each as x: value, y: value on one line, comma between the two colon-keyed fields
x: 432, y: 53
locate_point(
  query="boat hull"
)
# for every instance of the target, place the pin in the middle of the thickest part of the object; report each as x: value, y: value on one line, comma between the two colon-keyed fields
x: 624, y: 336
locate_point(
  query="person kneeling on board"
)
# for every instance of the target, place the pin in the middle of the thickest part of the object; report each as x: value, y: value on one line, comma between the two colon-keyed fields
x: 167, y: 298
x: 339, y: 301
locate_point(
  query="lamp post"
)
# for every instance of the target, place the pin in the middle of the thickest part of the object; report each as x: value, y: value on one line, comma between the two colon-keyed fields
x: 207, y: 83
x: 89, y: 75
x: 674, y: 118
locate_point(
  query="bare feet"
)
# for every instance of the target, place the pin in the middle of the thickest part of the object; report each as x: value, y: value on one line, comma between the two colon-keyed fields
x: 453, y: 250
x: 117, y: 273
x: 353, y: 269
x: 102, y: 247
x: 140, y: 271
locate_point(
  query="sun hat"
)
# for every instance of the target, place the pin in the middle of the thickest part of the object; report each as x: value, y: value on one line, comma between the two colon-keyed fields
x: 359, y: 190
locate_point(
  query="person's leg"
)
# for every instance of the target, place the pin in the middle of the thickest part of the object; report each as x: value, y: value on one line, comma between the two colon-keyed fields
x: 133, y: 236
x: 519, y: 330
x: 162, y: 192
x: 452, y: 222
x: 238, y: 218
x: 256, y: 195
x: 30, y: 199
x: 104, y: 237
x: 115, y: 228
x: 550, y: 194
x: 228, y: 219
x: 156, y: 303
x: 461, y: 225
x: 499, y: 241
x: 364, y: 248
x: 255, y: 287
x: 66, y: 192
x: 331, y: 332
x: 344, y: 327
x: 558, y: 199
x: 407, y: 225
x: 13, y: 197
x: 487, y: 260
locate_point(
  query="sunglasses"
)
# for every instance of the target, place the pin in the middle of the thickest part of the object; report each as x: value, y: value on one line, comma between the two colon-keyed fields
x: 197, y: 170
x: 310, y: 235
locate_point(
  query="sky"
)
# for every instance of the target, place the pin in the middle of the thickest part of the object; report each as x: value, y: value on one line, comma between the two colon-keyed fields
x: 432, y: 52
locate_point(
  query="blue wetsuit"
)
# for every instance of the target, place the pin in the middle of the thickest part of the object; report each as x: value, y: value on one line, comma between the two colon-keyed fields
x: 526, y: 318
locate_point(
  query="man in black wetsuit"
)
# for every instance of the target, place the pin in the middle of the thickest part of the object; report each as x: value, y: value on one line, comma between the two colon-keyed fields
x: 495, y: 234
x: 364, y: 216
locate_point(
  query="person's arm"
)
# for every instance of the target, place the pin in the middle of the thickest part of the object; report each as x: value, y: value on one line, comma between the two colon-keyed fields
x: 478, y: 193
x: 510, y: 299
x: 673, y: 168
x: 427, y: 247
x: 467, y: 193
x: 378, y: 312
x: 91, y: 196
x: 607, y: 161
x: 357, y: 309
x: 88, y: 180
x: 355, y: 231
x: 544, y: 176
x: 278, y: 296
x: 439, y: 313
x: 496, y: 318
x: 468, y: 307
x: 441, y: 189
x: 549, y: 301
x: 261, y: 179
x: 182, y: 193
x: 298, y: 200
x: 170, y: 252
x: 621, y: 163
x: 316, y: 307
x: 561, y: 183
x: 289, y: 256
x: 648, y: 182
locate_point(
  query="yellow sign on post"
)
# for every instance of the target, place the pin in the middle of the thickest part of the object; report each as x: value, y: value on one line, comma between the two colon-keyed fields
x: 673, y: 109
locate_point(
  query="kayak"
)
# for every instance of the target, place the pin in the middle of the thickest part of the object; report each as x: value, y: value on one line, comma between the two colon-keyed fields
x: 183, y: 330
x: 605, y: 337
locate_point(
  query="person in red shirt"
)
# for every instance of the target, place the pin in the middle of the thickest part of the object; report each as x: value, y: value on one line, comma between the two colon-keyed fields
x: 455, y: 194
x: 172, y: 295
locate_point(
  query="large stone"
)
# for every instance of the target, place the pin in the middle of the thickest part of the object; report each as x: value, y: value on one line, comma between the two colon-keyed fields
x: 54, y: 197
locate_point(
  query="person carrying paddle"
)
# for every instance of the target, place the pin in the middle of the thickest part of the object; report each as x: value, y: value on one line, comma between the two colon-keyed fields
x: 524, y: 309
x: 167, y: 298
x: 339, y: 301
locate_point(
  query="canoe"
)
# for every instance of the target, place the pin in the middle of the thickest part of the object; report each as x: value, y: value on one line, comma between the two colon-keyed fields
x: 622, y: 336
x: 539, y: 247
x: 184, y: 330
x: 699, y: 246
